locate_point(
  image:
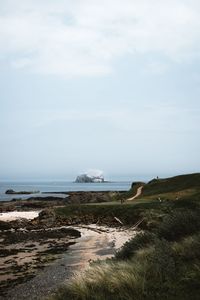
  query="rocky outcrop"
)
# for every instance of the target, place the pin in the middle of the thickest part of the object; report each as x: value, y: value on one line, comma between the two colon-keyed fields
x: 12, y: 192
x: 92, y: 197
x: 85, y: 178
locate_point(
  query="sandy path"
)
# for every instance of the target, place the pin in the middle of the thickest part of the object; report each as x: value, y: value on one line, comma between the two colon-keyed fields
x: 138, y: 193
x: 96, y: 242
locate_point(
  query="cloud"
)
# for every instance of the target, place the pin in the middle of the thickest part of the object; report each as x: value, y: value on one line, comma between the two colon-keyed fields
x: 86, y: 38
x: 94, y: 173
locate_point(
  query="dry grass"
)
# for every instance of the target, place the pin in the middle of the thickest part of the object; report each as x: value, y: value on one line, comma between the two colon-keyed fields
x: 119, y: 280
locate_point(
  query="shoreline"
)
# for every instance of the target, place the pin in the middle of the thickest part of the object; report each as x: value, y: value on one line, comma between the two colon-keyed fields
x: 41, y: 251
x: 96, y: 242
x: 45, y: 202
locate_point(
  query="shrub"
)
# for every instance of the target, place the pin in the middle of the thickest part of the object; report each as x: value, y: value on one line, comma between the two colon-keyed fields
x: 188, y: 249
x: 179, y: 224
x: 140, y: 241
x: 161, y: 262
x: 161, y: 272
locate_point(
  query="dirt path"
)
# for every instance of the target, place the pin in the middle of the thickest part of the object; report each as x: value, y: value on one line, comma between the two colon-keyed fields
x: 138, y: 193
x: 96, y: 242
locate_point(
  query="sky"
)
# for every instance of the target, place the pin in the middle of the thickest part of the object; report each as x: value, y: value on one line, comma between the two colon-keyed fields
x: 111, y: 85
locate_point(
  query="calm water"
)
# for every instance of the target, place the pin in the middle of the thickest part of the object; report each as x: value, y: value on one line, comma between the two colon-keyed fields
x: 58, y: 186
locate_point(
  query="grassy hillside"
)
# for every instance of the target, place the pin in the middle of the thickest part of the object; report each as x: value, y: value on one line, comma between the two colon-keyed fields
x: 174, y: 184
x: 182, y: 186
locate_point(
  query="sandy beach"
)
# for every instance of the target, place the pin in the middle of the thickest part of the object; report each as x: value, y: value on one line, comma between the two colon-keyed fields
x: 37, y: 261
x: 16, y: 215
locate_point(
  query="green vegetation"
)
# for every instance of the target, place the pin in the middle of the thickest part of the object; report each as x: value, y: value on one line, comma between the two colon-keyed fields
x: 181, y: 186
x: 173, y: 188
x: 131, y: 247
x: 163, y: 262
x: 129, y: 214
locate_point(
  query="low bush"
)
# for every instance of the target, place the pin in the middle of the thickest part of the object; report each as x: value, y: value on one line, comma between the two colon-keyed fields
x: 179, y: 224
x: 138, y: 242
x: 188, y: 249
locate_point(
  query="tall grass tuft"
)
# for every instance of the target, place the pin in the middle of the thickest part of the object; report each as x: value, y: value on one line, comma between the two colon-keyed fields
x: 107, y: 281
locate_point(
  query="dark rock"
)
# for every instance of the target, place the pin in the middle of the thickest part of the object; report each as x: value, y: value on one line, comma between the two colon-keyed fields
x: 58, y: 249
x: 5, y: 225
x: 8, y: 252
x: 30, y: 246
x: 24, y: 236
x: 47, y: 218
x: 46, y: 214
x: 92, y: 197
x: 137, y: 183
x: 12, y: 192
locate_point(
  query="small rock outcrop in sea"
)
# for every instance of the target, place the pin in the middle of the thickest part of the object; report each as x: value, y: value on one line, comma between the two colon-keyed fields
x: 12, y: 192
x: 84, y: 178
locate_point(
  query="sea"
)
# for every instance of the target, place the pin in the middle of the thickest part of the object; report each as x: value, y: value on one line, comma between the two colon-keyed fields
x: 50, y: 188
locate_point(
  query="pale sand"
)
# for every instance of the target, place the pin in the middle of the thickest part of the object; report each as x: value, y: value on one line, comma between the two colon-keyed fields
x: 96, y: 243
x: 16, y: 215
x: 100, y: 242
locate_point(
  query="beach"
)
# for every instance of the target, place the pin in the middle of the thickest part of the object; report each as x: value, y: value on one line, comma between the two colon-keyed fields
x: 39, y: 253
x: 16, y: 215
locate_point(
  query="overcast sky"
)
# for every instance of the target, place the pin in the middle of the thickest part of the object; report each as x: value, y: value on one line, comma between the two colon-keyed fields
x: 99, y: 84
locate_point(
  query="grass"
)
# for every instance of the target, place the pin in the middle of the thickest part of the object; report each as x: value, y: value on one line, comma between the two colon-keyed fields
x: 161, y: 263
x: 147, y: 267
x: 124, y: 281
x: 172, y: 188
x: 156, y: 272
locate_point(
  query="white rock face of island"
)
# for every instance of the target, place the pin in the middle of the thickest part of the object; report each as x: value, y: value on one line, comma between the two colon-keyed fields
x: 85, y: 178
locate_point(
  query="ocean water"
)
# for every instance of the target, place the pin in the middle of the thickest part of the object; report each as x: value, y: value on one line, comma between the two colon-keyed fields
x: 58, y: 186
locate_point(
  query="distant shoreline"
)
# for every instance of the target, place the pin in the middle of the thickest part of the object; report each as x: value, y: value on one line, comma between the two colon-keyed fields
x: 60, y: 188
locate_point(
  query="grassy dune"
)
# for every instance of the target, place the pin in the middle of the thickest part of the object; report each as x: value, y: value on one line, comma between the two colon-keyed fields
x: 162, y: 262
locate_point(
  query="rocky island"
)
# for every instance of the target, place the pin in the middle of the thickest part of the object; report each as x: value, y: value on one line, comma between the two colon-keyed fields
x: 85, y: 178
x: 12, y: 192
